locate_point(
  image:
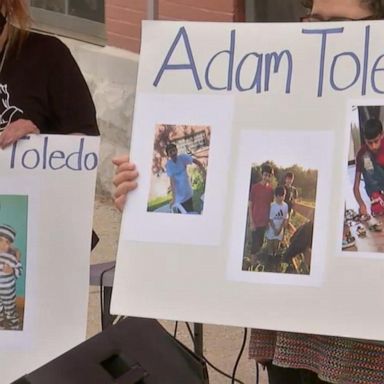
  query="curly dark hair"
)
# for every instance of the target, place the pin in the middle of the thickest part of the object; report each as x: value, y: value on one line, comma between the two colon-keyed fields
x: 377, y: 6
x: 372, y: 129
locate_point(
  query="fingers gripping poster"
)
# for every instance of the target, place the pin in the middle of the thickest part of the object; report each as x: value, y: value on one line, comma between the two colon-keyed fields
x: 260, y: 197
x: 46, y: 207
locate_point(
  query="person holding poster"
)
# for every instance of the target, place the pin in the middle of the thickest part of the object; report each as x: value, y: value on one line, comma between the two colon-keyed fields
x: 294, y: 358
x: 39, y: 92
x: 125, y: 179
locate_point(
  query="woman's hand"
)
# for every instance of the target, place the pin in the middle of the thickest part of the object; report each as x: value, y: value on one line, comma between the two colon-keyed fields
x: 124, y: 180
x: 15, y: 131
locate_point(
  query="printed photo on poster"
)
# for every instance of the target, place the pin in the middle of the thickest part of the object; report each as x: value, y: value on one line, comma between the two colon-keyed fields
x: 362, y: 230
x: 281, y: 207
x: 179, y: 169
x: 279, y: 225
x: 13, y: 257
x: 202, y: 135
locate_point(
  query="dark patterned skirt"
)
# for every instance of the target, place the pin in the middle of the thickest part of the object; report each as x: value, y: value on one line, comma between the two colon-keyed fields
x: 335, y: 359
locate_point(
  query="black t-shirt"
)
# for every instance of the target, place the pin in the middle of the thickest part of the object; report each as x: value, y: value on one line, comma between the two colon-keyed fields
x: 41, y: 82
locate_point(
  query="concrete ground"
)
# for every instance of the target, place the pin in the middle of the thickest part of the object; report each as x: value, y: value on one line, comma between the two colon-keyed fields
x: 221, y: 343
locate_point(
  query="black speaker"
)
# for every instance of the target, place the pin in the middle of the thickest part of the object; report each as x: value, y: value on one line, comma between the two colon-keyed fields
x: 133, y: 351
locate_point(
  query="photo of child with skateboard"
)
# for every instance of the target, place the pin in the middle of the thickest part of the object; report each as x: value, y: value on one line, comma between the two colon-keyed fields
x: 279, y: 228
x: 364, y: 203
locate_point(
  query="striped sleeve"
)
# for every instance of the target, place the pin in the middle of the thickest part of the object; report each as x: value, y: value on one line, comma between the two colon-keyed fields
x: 11, y: 260
x: 18, y: 269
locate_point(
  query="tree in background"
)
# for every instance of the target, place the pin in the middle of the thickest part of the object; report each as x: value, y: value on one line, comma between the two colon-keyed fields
x: 305, y: 179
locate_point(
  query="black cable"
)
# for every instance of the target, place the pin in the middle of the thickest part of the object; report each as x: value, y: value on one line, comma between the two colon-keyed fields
x: 239, y: 355
x: 192, y: 337
x: 208, y: 362
x: 257, y: 372
x: 101, y: 294
x: 175, y: 330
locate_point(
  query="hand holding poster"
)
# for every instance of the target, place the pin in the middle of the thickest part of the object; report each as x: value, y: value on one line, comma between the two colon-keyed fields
x: 258, y: 255
x: 46, y: 206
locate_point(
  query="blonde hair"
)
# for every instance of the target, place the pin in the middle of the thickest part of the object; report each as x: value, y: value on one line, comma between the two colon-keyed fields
x: 19, y: 19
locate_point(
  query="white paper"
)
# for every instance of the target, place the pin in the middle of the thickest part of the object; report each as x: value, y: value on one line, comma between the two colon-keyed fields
x: 59, y: 222
x: 288, y: 89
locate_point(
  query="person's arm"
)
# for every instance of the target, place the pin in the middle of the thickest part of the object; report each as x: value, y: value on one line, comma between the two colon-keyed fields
x: 16, y: 130
x: 272, y: 225
x: 284, y: 225
x: 294, y: 198
x: 251, y: 223
x: 200, y: 165
x: 69, y: 96
x: 356, y: 192
x: 173, y: 192
x: 18, y: 270
x: 7, y: 269
x: 125, y: 179
x: 15, y: 269
x: 68, y: 100
x: 278, y: 230
x: 17, y: 254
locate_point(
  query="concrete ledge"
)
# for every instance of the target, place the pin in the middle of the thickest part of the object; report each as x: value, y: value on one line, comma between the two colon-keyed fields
x: 111, y: 76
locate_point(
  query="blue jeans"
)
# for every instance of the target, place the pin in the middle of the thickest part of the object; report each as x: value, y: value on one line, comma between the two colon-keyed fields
x: 373, y: 174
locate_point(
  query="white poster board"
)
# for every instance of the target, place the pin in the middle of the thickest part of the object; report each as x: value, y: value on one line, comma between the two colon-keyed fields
x: 282, y: 94
x: 46, y: 196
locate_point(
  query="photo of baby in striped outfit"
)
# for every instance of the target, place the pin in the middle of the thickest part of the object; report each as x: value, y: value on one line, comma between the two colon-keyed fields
x: 10, y: 270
